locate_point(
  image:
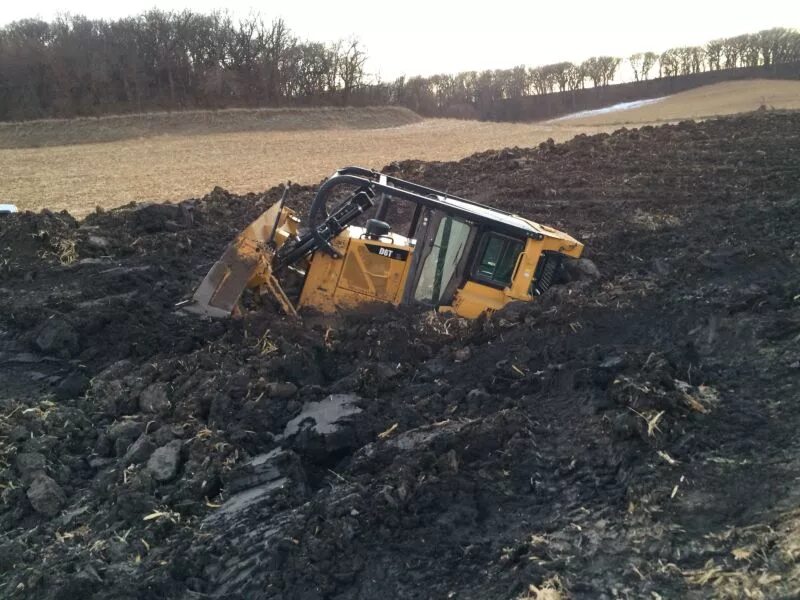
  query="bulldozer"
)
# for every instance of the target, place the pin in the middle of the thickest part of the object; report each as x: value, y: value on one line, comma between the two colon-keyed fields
x: 456, y: 256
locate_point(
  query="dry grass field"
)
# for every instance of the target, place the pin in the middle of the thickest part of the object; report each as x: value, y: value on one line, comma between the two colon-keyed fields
x: 718, y: 99
x: 64, y: 132
x: 175, y: 167
x: 190, y: 161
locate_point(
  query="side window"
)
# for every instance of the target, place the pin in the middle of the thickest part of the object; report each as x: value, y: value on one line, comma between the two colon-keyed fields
x: 497, y: 258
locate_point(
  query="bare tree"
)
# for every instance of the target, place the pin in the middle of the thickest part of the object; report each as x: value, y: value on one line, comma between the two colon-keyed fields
x: 560, y: 74
x: 636, y: 61
x: 575, y: 77
x: 714, y: 54
x: 593, y: 69
x: 649, y: 60
x: 609, y: 66
x: 351, y: 68
x: 669, y: 63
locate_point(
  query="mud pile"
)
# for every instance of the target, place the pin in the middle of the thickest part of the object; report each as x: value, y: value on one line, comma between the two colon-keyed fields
x: 627, y: 435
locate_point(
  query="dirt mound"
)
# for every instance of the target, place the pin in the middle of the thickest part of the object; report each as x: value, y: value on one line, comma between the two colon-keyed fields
x: 628, y: 435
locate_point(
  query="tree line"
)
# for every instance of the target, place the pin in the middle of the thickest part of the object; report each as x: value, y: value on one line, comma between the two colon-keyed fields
x: 176, y: 60
x: 169, y: 60
x: 448, y: 94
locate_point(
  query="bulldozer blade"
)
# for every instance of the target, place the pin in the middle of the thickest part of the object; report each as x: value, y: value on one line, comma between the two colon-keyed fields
x: 249, y: 255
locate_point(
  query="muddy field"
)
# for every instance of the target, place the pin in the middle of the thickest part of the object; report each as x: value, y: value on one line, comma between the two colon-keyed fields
x: 631, y: 435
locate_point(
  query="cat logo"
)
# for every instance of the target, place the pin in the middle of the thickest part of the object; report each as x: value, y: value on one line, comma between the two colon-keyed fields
x: 385, y: 252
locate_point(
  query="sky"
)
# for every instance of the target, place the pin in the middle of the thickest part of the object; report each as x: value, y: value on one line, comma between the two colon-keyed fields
x: 424, y: 37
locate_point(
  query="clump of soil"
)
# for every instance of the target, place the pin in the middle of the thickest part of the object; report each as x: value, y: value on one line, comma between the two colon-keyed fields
x: 631, y: 434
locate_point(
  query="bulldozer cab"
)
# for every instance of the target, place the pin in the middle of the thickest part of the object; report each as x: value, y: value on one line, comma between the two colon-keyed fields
x: 477, y: 260
x: 455, y: 255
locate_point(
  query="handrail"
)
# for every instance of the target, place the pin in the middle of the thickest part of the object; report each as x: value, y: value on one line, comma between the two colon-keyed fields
x: 365, y: 179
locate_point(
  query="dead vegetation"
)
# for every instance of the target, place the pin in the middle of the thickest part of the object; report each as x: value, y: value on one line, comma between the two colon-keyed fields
x: 551, y: 589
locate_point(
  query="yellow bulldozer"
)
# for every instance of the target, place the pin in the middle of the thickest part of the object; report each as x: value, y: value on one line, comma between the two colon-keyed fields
x: 457, y: 255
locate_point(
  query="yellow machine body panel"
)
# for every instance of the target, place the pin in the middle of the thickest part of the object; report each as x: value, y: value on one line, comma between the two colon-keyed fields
x: 475, y: 298
x: 370, y: 270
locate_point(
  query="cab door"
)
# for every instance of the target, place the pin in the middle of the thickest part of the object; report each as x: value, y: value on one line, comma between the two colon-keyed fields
x: 440, y: 258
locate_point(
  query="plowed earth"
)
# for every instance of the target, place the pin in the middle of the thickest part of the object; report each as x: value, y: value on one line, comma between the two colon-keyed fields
x: 630, y: 435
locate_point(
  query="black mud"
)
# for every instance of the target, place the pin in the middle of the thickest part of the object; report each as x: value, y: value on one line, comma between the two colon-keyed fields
x: 627, y: 436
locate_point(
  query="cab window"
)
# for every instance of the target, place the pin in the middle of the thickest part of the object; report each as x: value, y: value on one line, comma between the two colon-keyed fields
x: 440, y: 266
x: 497, y: 257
